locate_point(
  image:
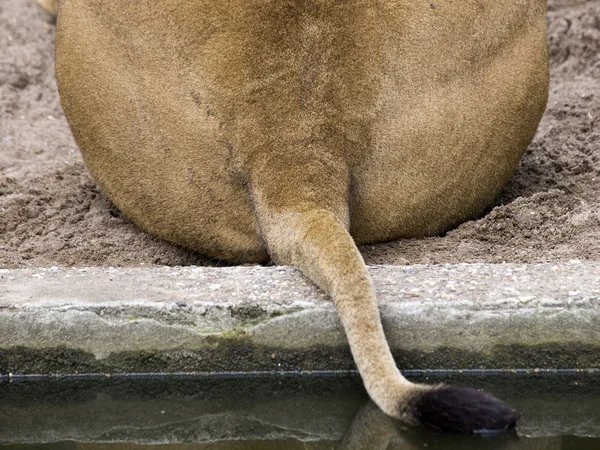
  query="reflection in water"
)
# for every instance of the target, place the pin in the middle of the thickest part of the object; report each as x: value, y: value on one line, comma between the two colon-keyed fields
x: 372, y: 429
x: 277, y: 413
x: 366, y: 439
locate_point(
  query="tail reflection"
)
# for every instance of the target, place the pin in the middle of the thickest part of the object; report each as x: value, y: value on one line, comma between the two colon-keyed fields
x: 372, y: 429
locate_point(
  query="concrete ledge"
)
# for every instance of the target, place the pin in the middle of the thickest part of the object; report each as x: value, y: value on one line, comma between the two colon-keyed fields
x: 270, y: 318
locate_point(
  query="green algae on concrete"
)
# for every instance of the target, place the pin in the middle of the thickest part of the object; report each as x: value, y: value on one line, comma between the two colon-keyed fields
x: 237, y: 355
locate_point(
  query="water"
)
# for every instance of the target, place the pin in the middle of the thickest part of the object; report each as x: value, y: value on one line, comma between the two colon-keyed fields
x: 558, y: 412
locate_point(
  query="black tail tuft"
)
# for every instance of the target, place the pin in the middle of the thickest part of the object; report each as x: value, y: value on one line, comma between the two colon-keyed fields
x: 457, y: 409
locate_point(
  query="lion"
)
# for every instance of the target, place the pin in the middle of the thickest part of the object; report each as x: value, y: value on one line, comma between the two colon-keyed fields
x: 295, y: 130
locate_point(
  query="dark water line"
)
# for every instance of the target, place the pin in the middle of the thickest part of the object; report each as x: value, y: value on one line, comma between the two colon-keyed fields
x: 291, y: 373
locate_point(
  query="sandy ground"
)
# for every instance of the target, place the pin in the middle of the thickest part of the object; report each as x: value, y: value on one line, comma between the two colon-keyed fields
x: 52, y: 213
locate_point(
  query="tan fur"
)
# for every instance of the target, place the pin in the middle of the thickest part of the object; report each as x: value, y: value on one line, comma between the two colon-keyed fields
x: 49, y: 5
x: 245, y: 129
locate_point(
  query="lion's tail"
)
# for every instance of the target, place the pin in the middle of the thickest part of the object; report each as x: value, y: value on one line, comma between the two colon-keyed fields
x: 301, y: 205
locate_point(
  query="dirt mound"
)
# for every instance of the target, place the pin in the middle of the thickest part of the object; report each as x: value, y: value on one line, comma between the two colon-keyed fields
x: 52, y: 214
